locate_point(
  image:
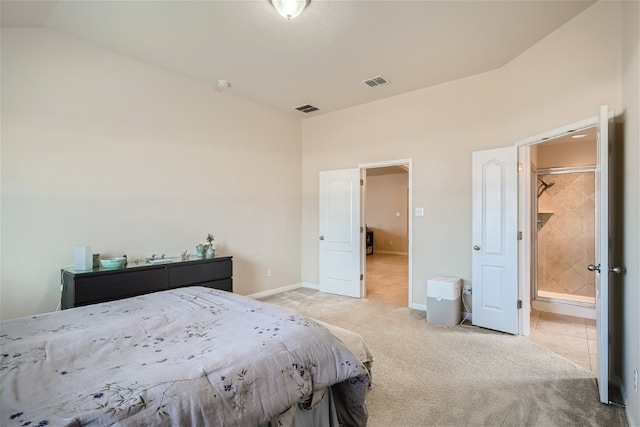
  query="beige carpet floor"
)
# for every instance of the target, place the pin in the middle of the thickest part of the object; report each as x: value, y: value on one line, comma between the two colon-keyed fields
x: 431, y: 375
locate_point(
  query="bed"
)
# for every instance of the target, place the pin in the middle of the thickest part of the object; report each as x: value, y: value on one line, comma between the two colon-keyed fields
x: 190, y: 356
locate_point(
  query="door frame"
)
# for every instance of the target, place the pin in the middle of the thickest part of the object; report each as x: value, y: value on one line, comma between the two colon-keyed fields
x: 525, y: 212
x: 400, y: 162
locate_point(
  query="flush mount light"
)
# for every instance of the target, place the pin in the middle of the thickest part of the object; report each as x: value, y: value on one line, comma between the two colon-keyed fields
x: 580, y: 135
x: 289, y: 8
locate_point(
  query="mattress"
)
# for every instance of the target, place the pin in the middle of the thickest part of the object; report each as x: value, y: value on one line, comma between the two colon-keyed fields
x: 190, y: 356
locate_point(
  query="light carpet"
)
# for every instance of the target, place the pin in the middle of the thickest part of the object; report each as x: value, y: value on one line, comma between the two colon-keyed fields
x: 432, y: 375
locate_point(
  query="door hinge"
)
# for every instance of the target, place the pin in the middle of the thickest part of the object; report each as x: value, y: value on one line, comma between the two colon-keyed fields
x: 361, y: 181
x: 519, y: 303
x: 519, y: 235
x: 361, y: 229
x: 361, y: 277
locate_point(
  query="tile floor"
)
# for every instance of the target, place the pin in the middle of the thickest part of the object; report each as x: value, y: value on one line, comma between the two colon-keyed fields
x: 388, y: 278
x: 570, y: 337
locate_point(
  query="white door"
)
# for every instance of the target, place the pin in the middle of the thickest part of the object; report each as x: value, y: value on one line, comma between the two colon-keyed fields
x: 339, y: 264
x: 495, y: 245
x: 363, y: 234
x: 601, y: 265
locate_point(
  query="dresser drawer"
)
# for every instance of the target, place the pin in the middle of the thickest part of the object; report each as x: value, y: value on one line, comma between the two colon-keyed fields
x: 100, y: 285
x: 196, y: 274
x: 117, y: 285
x: 223, y: 285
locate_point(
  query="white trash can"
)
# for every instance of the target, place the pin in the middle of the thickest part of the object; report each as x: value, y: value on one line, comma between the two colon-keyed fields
x: 444, y: 301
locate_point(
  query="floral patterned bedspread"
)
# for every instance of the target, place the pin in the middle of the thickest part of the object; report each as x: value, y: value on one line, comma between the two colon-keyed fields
x: 188, y: 356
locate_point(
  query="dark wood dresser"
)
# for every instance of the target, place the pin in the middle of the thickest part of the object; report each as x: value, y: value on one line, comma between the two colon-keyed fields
x: 101, y: 285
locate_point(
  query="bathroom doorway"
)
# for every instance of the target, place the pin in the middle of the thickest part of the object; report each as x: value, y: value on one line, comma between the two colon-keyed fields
x: 563, y: 205
x: 564, y: 233
x: 533, y: 157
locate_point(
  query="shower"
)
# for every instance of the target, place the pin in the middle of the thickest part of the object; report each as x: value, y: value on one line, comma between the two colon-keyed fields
x: 565, y: 235
x: 543, y: 186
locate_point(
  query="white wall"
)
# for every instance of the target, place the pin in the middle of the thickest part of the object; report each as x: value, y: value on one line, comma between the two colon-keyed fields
x: 439, y: 127
x: 386, y: 197
x: 103, y: 150
x: 631, y: 97
x: 568, y: 154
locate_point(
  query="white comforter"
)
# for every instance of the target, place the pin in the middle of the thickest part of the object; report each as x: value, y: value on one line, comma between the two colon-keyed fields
x: 189, y: 356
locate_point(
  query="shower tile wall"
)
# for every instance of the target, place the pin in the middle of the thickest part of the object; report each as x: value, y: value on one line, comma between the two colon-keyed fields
x: 566, y: 238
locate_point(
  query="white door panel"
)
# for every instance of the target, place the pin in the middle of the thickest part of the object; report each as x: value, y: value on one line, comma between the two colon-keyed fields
x: 340, y: 240
x: 494, y: 259
x: 602, y: 254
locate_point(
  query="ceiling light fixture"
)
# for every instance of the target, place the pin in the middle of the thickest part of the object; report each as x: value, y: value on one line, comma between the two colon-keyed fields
x: 580, y: 135
x: 289, y: 8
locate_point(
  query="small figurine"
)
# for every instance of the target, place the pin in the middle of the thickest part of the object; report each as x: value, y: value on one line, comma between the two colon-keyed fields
x: 210, y: 250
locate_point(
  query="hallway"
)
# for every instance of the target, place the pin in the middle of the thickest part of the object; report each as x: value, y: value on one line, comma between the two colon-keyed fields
x: 388, y: 278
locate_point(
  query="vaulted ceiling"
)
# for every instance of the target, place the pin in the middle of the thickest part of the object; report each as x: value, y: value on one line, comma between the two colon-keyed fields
x: 320, y: 58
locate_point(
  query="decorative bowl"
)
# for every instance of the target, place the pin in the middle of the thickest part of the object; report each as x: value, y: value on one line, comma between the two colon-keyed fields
x: 112, y: 262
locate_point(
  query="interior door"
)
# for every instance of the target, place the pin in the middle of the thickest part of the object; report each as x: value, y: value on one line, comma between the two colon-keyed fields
x: 601, y: 265
x: 495, y: 249
x: 340, y: 240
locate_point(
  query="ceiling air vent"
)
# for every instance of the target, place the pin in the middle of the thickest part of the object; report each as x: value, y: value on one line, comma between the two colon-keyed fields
x: 307, y: 108
x: 376, y: 81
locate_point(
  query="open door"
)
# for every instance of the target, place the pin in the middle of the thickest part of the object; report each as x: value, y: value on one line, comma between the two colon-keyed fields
x: 495, y: 231
x: 340, y: 232
x: 601, y: 264
x: 603, y: 247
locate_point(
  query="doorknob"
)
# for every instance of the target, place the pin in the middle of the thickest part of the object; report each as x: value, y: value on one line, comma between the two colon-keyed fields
x: 476, y: 248
x: 616, y: 270
x: 592, y: 267
x: 321, y: 237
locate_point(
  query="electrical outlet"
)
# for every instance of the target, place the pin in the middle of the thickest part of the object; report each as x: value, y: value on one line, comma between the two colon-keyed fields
x: 635, y: 379
x: 269, y: 273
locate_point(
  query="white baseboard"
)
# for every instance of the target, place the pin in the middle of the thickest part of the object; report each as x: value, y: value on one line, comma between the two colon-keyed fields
x: 275, y: 291
x: 310, y: 286
x: 390, y: 253
x: 566, y: 309
x: 421, y: 307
